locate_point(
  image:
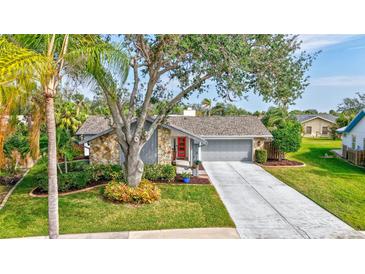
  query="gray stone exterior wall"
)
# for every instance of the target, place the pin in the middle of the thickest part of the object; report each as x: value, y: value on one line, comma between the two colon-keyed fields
x: 164, y: 152
x: 105, y: 150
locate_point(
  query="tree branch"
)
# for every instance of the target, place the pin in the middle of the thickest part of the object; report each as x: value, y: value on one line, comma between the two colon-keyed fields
x: 174, y: 101
x: 132, y: 100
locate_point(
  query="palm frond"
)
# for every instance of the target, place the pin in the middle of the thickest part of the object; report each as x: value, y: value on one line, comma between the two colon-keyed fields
x: 95, y: 52
x: 20, y: 63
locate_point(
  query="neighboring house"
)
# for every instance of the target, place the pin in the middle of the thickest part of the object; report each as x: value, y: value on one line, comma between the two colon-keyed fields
x: 353, y: 135
x: 317, y: 125
x: 182, y: 137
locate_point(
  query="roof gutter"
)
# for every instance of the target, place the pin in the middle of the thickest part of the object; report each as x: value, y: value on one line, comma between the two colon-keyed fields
x: 235, y: 136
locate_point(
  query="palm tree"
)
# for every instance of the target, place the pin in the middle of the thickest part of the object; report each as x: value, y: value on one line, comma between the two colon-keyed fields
x: 207, y: 105
x: 44, y: 57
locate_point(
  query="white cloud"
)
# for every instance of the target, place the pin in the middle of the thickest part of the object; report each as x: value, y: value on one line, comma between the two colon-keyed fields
x: 339, y: 81
x: 318, y: 42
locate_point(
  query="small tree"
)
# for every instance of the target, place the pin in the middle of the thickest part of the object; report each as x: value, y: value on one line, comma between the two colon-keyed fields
x: 287, y: 138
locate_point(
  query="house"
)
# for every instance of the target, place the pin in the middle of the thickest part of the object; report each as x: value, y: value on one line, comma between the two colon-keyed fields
x: 317, y: 125
x: 353, y: 135
x: 183, y: 137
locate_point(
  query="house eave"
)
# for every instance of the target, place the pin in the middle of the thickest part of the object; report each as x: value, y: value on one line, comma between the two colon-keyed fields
x: 235, y: 136
x: 317, y: 117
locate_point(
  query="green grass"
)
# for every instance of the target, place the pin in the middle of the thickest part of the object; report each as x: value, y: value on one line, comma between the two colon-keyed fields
x: 181, y: 206
x: 332, y: 183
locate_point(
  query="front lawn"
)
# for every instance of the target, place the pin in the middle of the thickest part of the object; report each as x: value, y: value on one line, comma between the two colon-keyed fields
x: 332, y: 183
x: 181, y: 206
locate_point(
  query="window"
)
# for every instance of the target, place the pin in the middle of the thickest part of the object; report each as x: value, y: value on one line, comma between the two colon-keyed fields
x: 363, y: 145
x: 324, y: 130
x: 308, y: 130
x: 353, y: 145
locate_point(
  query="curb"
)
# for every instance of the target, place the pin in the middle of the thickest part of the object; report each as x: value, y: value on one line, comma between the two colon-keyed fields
x: 2, y: 205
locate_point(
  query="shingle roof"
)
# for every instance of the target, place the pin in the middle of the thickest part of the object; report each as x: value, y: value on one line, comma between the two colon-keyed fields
x: 94, y: 125
x: 221, y: 125
x: 200, y: 126
x: 306, y: 117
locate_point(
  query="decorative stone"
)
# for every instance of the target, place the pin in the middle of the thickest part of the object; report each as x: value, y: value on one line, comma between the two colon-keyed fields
x: 105, y: 150
x: 164, y: 151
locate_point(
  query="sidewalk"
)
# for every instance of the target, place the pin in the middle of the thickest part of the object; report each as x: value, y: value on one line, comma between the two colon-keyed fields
x: 190, y: 233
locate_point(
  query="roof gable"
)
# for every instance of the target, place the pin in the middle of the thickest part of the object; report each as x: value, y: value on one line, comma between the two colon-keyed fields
x: 324, y: 116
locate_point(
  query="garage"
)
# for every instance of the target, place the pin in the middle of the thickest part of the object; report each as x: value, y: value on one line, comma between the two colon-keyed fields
x: 227, y: 150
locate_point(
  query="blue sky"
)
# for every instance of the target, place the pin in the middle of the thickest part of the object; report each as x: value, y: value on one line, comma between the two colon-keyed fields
x: 338, y: 72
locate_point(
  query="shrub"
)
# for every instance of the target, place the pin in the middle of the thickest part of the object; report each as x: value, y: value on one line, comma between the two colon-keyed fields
x: 185, y: 175
x: 145, y: 193
x: 288, y: 137
x: 168, y: 172
x: 156, y: 172
x: 80, y: 165
x: 106, y: 172
x: 66, y: 181
x: 261, y: 156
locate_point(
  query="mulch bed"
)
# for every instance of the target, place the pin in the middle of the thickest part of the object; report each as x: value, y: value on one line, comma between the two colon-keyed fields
x: 282, y: 163
x: 10, y: 180
x: 199, y: 180
x: 196, y: 180
x: 38, y: 192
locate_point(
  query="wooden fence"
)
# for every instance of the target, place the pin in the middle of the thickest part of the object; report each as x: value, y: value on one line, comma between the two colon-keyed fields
x: 357, y: 157
x: 272, y: 152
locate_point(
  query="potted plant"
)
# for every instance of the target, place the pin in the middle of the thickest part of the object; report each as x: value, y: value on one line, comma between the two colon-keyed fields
x: 195, y: 167
x: 186, y: 177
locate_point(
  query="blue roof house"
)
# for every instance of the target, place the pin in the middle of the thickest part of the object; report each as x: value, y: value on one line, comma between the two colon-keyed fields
x: 353, y: 135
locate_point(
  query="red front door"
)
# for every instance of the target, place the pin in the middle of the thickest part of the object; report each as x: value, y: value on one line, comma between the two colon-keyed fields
x: 181, y: 147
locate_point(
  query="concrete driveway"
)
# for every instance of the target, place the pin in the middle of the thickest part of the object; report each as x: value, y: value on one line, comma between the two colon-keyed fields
x: 264, y: 207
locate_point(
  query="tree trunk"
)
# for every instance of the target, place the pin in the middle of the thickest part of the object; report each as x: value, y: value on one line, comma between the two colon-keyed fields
x: 133, y: 166
x: 53, y: 224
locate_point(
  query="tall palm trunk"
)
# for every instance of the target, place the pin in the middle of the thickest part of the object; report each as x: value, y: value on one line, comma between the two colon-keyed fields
x: 53, y: 223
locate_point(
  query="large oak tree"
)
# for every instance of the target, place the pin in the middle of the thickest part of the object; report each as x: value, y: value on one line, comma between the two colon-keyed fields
x: 172, y: 67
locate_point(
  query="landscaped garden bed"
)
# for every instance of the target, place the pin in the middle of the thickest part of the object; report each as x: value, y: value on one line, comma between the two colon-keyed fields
x: 180, y: 206
x: 282, y: 163
x: 7, y: 181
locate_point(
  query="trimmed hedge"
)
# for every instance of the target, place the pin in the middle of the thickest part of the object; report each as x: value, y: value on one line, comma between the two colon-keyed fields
x: 261, y: 156
x: 145, y: 193
x: 156, y: 172
x: 66, y: 181
x: 106, y: 172
x: 76, y: 180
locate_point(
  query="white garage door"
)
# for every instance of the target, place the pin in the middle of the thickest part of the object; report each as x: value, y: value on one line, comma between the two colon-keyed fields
x: 227, y: 150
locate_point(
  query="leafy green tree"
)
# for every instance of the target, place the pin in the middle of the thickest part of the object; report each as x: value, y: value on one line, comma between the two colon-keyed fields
x: 276, y: 117
x: 218, y: 109
x: 333, y: 112
x: 287, y: 137
x: 17, y: 141
x: 65, y: 143
x: 344, y: 119
x: 310, y: 111
x: 351, y: 106
x: 269, y: 65
x: 207, y: 105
